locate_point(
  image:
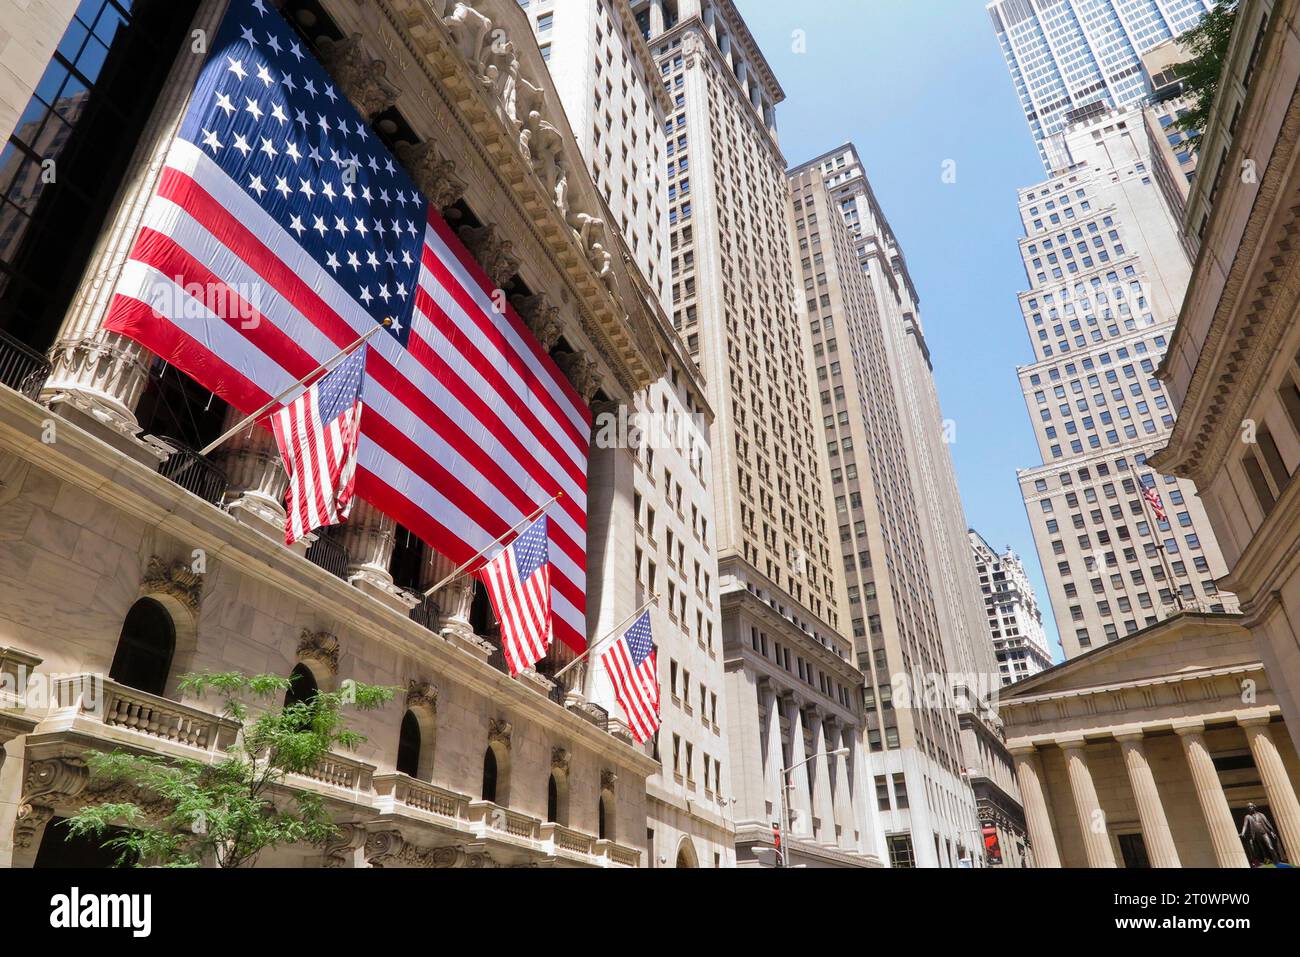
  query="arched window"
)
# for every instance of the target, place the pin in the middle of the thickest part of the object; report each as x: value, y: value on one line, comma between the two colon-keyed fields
x: 145, y: 648
x: 408, y: 746
x: 601, y: 823
x: 490, y: 775
x: 552, y: 799
x: 302, y: 686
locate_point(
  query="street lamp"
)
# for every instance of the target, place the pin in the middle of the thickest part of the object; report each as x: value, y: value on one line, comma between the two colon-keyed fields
x: 786, y: 785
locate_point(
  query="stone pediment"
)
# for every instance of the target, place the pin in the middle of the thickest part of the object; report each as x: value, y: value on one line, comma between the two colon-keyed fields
x: 1186, y: 644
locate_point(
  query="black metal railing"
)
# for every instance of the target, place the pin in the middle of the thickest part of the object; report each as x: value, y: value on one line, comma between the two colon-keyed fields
x: 427, y: 613
x: 194, y: 473
x: 328, y: 554
x: 22, y: 368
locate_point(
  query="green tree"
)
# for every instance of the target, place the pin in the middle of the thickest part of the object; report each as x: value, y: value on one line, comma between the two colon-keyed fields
x: 232, y: 810
x: 1208, y: 42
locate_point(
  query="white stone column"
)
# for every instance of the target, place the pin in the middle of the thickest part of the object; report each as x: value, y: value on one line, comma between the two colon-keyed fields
x: 369, y: 536
x: 796, y: 786
x: 1281, y: 796
x: 1228, y: 851
x: 1158, y: 838
x: 842, y: 799
x: 775, y: 755
x: 1092, y: 820
x: 98, y: 376
x: 823, y: 799
x: 258, y: 480
x: 1038, y: 818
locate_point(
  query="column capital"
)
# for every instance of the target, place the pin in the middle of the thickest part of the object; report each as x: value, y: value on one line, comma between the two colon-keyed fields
x: 1070, y: 742
x: 1255, y: 719
x: 1190, y: 726
x: 1022, y: 747
x: 1129, y: 735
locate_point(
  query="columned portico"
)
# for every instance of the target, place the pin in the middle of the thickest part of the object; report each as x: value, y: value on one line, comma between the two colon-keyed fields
x: 823, y: 798
x: 797, y: 792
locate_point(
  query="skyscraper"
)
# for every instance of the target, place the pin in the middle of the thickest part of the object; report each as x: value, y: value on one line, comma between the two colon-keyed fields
x: 913, y: 605
x: 1107, y: 275
x: 793, y: 691
x: 1015, y: 620
x: 1072, y: 60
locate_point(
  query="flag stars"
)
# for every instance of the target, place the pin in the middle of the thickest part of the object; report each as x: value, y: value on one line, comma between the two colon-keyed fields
x: 305, y: 188
x: 284, y: 189
x: 257, y: 5
x: 224, y: 104
x: 268, y: 148
x: 295, y: 50
x: 273, y: 43
x: 372, y: 260
x: 255, y: 184
x: 264, y: 75
x: 278, y: 114
x: 353, y: 261
x: 301, y: 119
x: 247, y: 34
x: 295, y: 223
x: 323, y: 123
x: 237, y: 67
x: 361, y: 226
x: 328, y: 191
x: 384, y: 294
x: 366, y: 297
x: 241, y: 144
x: 210, y: 140
x: 332, y: 262
x: 291, y: 150
x: 319, y: 226
x: 329, y: 92
x: 401, y: 290
x: 287, y: 80
x: 252, y: 108
x: 366, y: 195
x: 341, y: 225
x: 309, y: 85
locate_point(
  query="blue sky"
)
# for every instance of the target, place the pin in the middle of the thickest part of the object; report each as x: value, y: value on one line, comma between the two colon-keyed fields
x: 915, y: 83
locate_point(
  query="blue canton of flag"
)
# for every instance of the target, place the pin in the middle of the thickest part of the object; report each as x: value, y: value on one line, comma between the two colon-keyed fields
x: 267, y: 113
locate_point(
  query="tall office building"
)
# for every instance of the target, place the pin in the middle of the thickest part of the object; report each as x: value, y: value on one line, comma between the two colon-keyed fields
x: 1107, y: 274
x: 1074, y: 59
x: 914, y: 605
x: 616, y: 103
x: 1015, y: 621
x: 792, y: 691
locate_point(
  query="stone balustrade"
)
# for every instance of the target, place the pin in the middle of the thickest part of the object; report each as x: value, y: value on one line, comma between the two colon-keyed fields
x: 118, y: 706
x: 402, y: 790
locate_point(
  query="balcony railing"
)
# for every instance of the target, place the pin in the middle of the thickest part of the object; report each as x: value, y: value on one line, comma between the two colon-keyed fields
x: 427, y: 613
x: 22, y: 368
x: 328, y: 554
x: 117, y: 706
x: 194, y: 473
x: 405, y: 791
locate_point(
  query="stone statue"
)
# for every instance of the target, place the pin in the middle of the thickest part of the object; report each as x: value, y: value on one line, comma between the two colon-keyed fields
x: 1260, y: 837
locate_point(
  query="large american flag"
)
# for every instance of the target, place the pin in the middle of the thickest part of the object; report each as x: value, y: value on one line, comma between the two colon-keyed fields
x: 632, y: 665
x: 317, y: 434
x: 519, y: 585
x: 281, y: 231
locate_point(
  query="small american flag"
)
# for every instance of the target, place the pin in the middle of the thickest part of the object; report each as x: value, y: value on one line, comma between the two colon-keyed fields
x: 519, y: 584
x: 1153, y: 499
x: 317, y: 434
x: 631, y: 663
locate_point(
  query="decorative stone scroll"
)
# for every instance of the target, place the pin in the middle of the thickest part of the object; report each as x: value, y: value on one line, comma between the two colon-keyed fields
x: 500, y: 730
x: 176, y: 580
x: 320, y: 646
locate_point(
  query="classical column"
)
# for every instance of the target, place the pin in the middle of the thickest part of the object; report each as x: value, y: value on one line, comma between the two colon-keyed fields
x: 1151, y: 810
x: 823, y: 798
x: 1281, y: 796
x: 369, y: 536
x: 1092, y: 820
x: 98, y: 376
x: 1228, y: 851
x: 258, y: 480
x: 775, y: 754
x: 843, y: 797
x: 797, y: 797
x: 1029, y: 775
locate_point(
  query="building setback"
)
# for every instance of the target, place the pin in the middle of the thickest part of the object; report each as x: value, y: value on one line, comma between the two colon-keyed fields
x: 913, y: 602
x: 793, y: 692
x: 1107, y: 274
x: 1015, y: 621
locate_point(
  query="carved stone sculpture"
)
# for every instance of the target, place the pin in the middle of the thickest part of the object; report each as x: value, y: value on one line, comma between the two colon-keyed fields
x: 494, y: 254
x: 432, y: 173
x: 359, y: 75
x: 175, y: 579
x: 541, y: 317
x: 320, y: 646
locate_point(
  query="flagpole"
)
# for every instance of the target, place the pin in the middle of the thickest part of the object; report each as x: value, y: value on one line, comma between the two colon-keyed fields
x: 248, y: 420
x: 594, y: 645
x: 1149, y: 511
x: 483, y: 551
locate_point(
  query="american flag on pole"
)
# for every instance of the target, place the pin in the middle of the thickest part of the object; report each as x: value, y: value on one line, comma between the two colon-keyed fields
x: 317, y: 434
x: 1153, y: 499
x: 632, y: 665
x: 282, y: 230
x: 519, y: 585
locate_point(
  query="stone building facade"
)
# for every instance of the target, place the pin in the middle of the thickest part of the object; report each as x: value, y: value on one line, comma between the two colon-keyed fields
x: 1149, y: 751
x: 1014, y: 618
x: 108, y: 559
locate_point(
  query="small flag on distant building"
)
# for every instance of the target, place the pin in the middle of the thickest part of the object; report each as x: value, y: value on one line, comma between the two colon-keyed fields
x: 631, y: 663
x: 1153, y: 499
x: 317, y: 434
x: 519, y: 585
